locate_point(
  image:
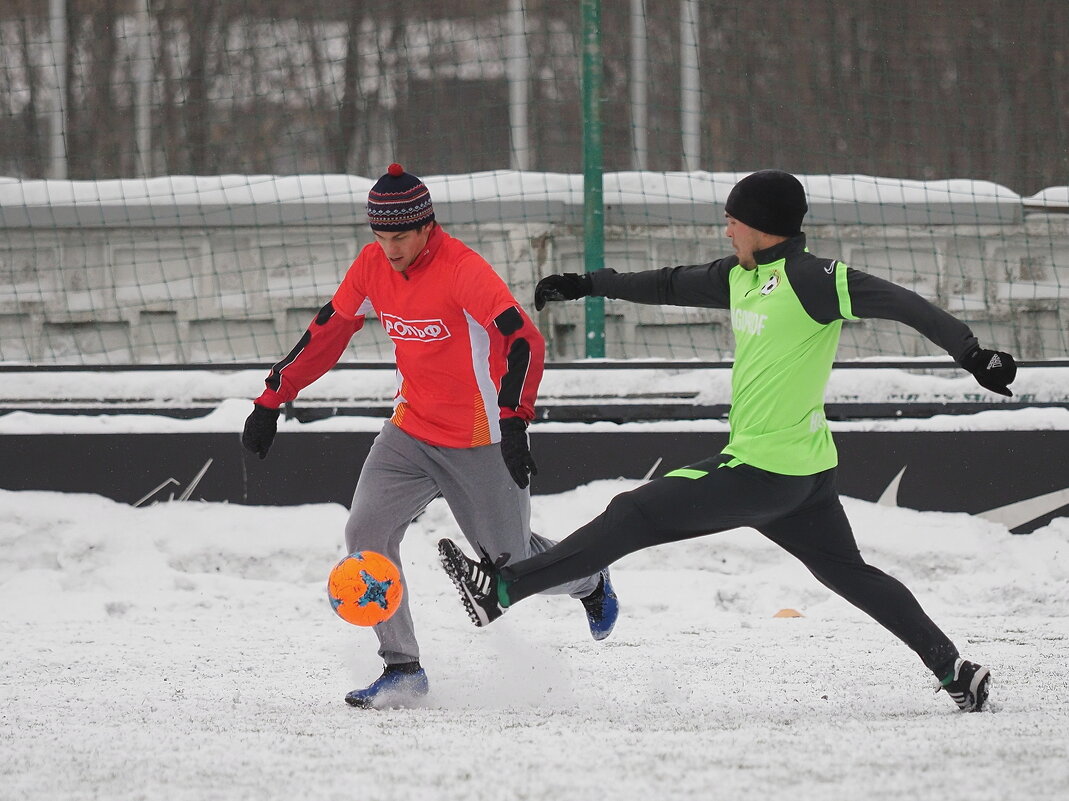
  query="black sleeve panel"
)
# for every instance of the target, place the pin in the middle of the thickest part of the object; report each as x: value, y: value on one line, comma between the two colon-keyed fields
x: 325, y: 314
x: 872, y: 297
x: 509, y: 321
x: 274, y: 378
x: 518, y: 361
x: 813, y: 281
x: 701, y: 285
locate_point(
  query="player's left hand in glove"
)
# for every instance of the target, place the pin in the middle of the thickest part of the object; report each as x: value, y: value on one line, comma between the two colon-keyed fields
x: 516, y: 450
x: 260, y: 429
x: 993, y: 369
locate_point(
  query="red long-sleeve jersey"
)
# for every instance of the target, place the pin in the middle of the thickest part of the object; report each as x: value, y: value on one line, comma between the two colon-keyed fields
x: 467, y: 354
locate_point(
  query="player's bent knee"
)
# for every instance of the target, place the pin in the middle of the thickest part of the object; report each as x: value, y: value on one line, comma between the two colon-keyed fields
x: 635, y: 524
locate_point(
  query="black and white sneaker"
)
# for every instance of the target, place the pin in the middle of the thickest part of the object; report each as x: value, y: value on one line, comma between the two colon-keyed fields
x: 968, y: 685
x: 475, y: 581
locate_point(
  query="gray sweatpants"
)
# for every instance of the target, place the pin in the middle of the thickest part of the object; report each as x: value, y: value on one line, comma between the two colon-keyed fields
x: 401, y: 476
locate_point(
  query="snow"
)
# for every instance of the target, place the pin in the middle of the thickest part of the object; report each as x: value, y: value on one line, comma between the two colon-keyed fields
x: 186, y: 650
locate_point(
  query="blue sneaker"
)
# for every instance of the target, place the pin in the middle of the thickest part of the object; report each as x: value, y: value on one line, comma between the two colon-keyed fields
x: 602, y: 608
x: 399, y: 685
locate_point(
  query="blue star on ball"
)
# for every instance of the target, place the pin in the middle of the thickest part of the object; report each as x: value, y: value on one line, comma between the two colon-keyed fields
x: 375, y: 592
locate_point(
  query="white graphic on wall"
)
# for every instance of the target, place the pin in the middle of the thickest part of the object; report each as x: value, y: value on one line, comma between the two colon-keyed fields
x: 1013, y: 515
x: 185, y: 494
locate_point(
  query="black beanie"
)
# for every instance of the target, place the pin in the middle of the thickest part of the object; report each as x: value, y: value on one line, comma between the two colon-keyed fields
x: 399, y: 202
x: 772, y: 201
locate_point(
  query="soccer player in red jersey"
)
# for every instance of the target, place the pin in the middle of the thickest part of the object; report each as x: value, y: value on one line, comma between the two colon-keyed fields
x: 469, y: 362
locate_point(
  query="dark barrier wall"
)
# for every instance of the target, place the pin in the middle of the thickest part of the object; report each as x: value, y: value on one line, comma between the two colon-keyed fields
x: 975, y: 472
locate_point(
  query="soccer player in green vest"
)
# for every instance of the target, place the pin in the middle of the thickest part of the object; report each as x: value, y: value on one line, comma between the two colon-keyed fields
x: 777, y: 472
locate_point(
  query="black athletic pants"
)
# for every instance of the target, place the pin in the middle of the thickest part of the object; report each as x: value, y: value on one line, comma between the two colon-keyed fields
x: 801, y: 514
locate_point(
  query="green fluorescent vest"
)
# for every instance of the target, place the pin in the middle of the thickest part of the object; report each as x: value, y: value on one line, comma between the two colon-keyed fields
x: 783, y: 359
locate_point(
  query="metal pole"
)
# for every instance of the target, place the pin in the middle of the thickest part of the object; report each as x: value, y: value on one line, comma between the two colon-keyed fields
x: 593, y: 203
x: 639, y: 86
x: 143, y: 100
x: 518, y: 67
x: 57, y: 27
x: 689, y: 81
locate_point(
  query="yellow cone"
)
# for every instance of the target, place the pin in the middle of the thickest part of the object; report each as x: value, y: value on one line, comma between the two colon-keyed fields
x: 788, y: 613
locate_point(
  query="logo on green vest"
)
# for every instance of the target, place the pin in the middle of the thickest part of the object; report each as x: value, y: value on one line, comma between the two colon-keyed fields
x: 747, y: 322
x: 770, y: 284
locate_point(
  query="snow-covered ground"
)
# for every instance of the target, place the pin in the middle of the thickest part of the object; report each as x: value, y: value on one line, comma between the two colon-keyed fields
x: 187, y: 651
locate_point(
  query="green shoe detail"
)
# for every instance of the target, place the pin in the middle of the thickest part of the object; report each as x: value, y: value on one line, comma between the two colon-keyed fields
x: 503, y: 593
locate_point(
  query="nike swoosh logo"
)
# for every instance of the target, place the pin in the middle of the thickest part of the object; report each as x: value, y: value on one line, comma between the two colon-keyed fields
x: 890, y: 495
x: 1017, y: 514
x: 1012, y: 515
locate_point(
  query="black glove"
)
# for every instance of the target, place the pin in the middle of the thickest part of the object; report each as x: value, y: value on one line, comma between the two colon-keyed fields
x: 993, y: 369
x: 260, y: 428
x: 516, y: 451
x: 568, y: 286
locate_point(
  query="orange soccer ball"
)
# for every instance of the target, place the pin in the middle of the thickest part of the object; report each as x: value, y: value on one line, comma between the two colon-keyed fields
x: 365, y: 588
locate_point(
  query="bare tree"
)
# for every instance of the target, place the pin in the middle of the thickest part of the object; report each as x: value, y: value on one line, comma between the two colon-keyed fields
x: 199, y: 18
x: 95, y: 140
x: 349, y: 110
x: 31, y: 115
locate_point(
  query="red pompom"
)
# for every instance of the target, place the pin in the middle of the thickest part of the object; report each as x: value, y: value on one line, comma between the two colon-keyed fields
x: 396, y: 170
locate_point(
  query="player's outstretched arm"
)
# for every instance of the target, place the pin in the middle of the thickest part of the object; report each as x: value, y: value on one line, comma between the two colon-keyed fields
x: 875, y: 297
x: 699, y: 285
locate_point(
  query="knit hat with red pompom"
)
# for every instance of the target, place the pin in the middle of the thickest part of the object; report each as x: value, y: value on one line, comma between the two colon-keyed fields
x: 399, y: 201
